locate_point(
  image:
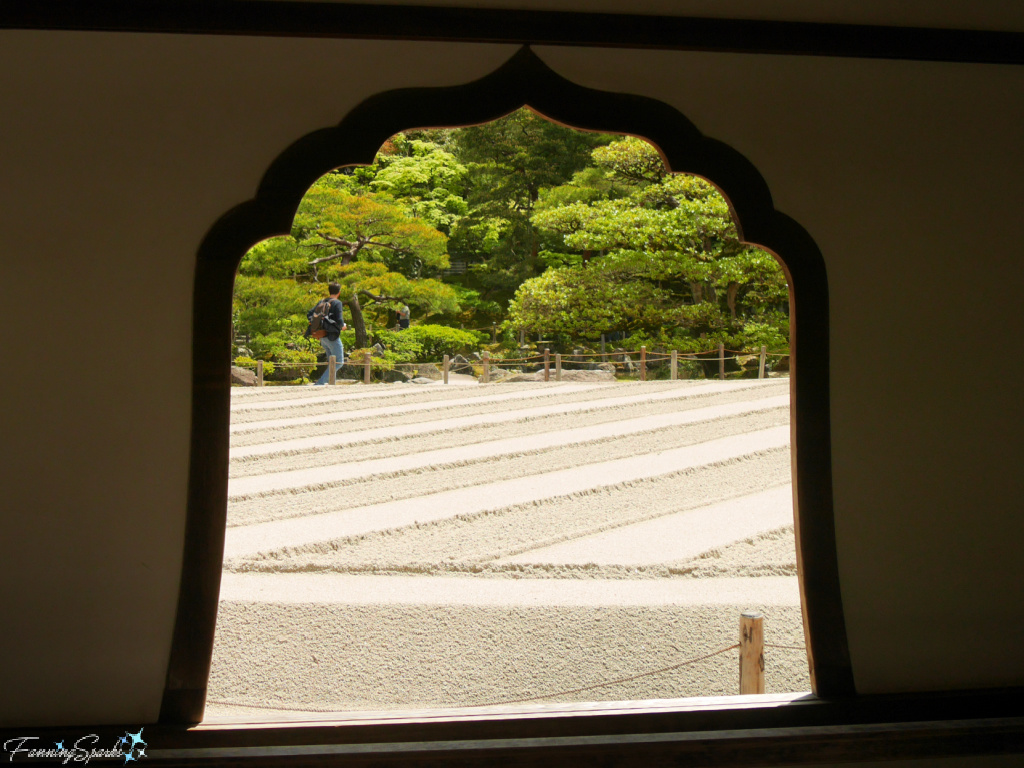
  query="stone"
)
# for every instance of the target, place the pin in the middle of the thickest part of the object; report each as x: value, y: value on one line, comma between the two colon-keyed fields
x: 243, y: 377
x: 394, y: 375
x: 428, y: 371
x: 422, y: 380
x: 459, y: 364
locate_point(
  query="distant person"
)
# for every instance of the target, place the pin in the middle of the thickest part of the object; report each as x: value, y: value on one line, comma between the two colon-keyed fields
x: 403, y: 317
x: 326, y: 324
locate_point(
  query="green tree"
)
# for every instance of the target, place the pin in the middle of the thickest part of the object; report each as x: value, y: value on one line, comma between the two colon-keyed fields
x: 629, y: 227
x: 367, y: 242
x: 509, y: 162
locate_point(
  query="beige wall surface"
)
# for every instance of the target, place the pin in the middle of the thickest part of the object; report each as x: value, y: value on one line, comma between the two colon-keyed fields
x: 120, y: 151
x: 910, y: 177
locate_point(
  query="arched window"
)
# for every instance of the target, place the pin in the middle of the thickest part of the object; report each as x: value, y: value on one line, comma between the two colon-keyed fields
x: 524, y: 80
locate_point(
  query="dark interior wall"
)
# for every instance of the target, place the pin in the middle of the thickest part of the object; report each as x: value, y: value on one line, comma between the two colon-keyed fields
x: 122, y: 150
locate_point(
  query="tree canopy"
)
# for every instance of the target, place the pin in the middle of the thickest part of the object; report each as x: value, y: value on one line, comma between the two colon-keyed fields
x: 549, y: 230
x: 637, y: 248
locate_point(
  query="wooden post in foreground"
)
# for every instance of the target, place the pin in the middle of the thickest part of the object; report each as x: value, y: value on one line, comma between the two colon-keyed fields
x: 751, y: 652
x: 643, y: 363
x: 367, y: 368
x: 332, y: 370
x: 674, y: 365
x: 444, y: 369
x: 558, y: 366
x: 760, y: 367
x: 259, y: 373
x: 721, y: 361
x: 547, y: 364
x: 486, y: 375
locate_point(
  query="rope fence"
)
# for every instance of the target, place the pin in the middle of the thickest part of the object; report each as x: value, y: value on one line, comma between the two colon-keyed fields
x: 551, y: 365
x: 751, y: 677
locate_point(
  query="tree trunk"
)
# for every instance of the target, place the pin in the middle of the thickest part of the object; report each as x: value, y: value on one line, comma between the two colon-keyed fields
x: 730, y: 297
x: 358, y: 325
x: 698, y: 292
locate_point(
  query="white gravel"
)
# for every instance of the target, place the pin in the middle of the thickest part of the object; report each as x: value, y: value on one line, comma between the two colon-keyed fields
x: 404, y: 547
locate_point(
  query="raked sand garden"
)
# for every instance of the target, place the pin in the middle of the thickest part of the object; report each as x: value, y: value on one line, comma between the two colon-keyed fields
x: 417, y: 546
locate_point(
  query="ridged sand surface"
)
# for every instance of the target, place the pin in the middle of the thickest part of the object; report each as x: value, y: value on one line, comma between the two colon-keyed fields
x: 408, y: 547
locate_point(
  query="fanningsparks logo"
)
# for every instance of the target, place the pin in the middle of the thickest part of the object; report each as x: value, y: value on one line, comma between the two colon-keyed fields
x: 130, y: 747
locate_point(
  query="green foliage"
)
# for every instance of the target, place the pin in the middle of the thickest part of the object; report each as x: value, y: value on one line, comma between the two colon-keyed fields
x: 400, y: 346
x: 635, y: 248
x: 439, y: 340
x: 565, y: 233
x: 250, y: 364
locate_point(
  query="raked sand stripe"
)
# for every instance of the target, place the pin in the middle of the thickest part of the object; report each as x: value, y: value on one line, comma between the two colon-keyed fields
x: 385, y: 410
x: 496, y: 417
x: 321, y: 475
x: 675, y: 537
x: 306, y: 396
x: 462, y: 591
x: 247, y: 540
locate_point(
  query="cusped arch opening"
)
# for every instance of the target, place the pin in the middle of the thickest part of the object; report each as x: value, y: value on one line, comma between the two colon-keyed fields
x: 524, y: 80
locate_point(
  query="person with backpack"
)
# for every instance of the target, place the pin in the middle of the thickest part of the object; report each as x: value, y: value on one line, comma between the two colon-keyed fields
x: 326, y: 324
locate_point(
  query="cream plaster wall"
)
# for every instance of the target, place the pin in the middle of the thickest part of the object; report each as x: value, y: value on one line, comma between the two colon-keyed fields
x: 909, y: 178
x: 120, y: 151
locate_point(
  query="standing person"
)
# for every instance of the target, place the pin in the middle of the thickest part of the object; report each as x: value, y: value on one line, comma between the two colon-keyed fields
x: 326, y: 323
x: 403, y: 317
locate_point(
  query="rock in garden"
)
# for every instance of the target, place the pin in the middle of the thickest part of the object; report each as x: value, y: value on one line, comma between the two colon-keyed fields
x: 428, y: 371
x: 422, y: 380
x: 243, y: 377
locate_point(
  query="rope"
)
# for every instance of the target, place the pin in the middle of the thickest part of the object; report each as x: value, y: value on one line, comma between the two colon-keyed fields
x: 790, y: 647
x: 612, y: 682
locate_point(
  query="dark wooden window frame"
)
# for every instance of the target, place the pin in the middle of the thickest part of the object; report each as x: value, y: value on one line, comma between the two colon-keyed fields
x: 301, y: 18
x: 523, y: 81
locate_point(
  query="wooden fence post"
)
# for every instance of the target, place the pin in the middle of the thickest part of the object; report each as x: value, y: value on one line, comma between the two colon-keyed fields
x: 760, y: 367
x: 643, y: 363
x: 721, y: 361
x: 558, y: 366
x: 259, y: 373
x: 332, y: 370
x: 751, y: 652
x: 547, y: 363
x: 674, y: 364
x: 485, y: 377
x: 367, y: 368
x: 604, y: 355
x: 444, y: 369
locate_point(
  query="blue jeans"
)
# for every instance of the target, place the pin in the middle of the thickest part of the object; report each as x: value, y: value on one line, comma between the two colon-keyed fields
x: 335, y: 348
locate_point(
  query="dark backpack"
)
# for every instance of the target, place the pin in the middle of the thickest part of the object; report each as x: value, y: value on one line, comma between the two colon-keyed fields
x: 321, y: 315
